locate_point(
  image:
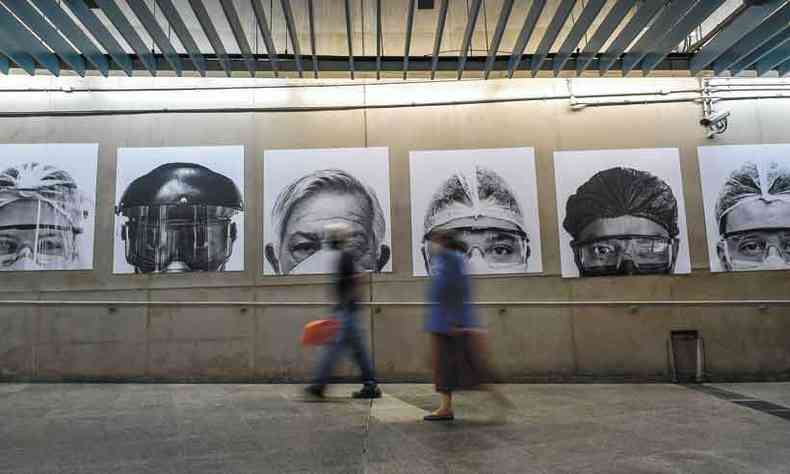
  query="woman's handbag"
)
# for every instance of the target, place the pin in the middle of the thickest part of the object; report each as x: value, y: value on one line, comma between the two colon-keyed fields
x: 320, y: 332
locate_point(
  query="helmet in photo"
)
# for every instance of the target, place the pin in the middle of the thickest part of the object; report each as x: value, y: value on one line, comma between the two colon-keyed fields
x: 179, y: 219
x: 43, y: 212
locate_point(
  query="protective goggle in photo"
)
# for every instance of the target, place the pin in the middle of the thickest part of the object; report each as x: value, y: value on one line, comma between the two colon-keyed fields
x: 764, y: 249
x: 625, y: 254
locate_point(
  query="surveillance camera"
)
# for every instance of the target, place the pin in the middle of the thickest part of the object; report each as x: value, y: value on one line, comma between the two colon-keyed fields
x: 714, y: 119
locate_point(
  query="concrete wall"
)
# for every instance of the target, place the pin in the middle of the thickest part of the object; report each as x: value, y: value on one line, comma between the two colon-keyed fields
x: 234, y: 341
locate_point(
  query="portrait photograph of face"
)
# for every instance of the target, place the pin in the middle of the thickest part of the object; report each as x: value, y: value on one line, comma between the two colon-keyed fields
x: 621, y: 212
x: 746, y: 191
x: 47, y: 206
x: 306, y: 192
x: 487, y: 200
x: 179, y: 210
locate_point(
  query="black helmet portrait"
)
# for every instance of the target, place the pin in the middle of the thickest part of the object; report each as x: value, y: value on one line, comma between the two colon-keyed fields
x: 179, y: 219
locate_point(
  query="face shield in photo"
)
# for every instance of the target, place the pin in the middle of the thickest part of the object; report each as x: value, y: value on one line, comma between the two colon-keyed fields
x: 179, y: 238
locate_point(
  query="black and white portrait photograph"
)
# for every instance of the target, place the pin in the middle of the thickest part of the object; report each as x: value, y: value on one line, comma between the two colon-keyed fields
x: 487, y: 199
x: 746, y: 191
x: 306, y: 192
x: 621, y: 212
x: 47, y: 206
x: 179, y: 209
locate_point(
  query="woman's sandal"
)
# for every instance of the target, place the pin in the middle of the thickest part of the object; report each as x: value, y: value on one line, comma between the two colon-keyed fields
x: 435, y: 417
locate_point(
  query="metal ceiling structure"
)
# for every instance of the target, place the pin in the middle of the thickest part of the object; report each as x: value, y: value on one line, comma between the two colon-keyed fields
x: 177, y: 37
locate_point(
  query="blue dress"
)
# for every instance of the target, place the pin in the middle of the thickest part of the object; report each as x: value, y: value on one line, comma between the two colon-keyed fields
x: 450, y: 292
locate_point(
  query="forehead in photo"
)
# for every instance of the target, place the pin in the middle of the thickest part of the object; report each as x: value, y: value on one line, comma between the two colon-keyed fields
x: 41, y: 214
x: 321, y: 201
x: 622, y: 201
x: 753, y: 215
x: 485, y: 218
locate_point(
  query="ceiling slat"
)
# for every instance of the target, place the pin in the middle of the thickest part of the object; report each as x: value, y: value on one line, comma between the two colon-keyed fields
x: 74, y: 34
x: 349, y: 38
x: 775, y: 58
x: 121, y: 23
x: 555, y: 26
x: 659, y: 29
x: 5, y: 65
x: 27, y: 42
x: 437, y: 39
x: 679, y: 32
x: 263, y: 26
x: 150, y: 24
x: 407, y: 45
x: 604, y: 31
x: 646, y: 12
x: 10, y: 48
x: 292, y: 34
x: 745, y: 23
x: 579, y: 28
x: 764, y: 50
x: 378, y: 39
x: 474, y: 12
x: 211, y: 34
x: 48, y: 34
x: 174, y: 19
x: 523, y: 37
x: 238, y: 34
x: 753, y: 40
x: 90, y: 21
x: 504, y: 16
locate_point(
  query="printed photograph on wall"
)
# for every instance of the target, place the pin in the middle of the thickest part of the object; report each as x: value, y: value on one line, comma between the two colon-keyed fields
x: 306, y: 191
x: 179, y: 209
x: 47, y: 206
x: 487, y: 199
x: 746, y: 191
x: 621, y: 212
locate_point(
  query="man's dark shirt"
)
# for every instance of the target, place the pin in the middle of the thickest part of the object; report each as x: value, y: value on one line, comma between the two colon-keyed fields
x: 346, y: 286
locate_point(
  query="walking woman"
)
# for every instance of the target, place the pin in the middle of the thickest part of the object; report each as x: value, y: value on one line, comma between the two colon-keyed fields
x: 458, y: 345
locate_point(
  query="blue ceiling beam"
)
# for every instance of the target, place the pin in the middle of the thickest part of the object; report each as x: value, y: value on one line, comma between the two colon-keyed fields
x: 560, y: 16
x: 102, y: 35
x: 211, y: 34
x: 646, y: 12
x: 349, y: 38
x: 523, y: 37
x: 764, y: 50
x: 659, y: 29
x: 752, y: 41
x: 292, y: 34
x: 579, y: 28
x: 10, y: 48
x: 48, y: 34
x: 437, y: 38
x: 699, y: 13
x: 775, y: 58
x: 238, y: 34
x: 742, y: 25
x: 72, y: 32
x: 121, y: 23
x: 181, y: 30
x: 407, y: 45
x: 604, y: 31
x: 27, y: 42
x: 471, y: 22
x: 496, y: 40
x: 156, y: 33
x: 263, y: 25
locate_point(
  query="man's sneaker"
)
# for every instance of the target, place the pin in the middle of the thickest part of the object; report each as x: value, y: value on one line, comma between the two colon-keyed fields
x: 368, y: 391
x: 314, y: 391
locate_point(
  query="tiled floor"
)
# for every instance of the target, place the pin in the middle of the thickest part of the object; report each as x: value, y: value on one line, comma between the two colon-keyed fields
x: 108, y: 428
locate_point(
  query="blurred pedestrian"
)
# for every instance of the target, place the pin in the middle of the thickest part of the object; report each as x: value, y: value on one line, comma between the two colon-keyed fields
x: 349, y: 337
x: 458, y: 343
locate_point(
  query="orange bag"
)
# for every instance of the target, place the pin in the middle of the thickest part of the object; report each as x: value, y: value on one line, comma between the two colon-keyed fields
x: 317, y: 333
